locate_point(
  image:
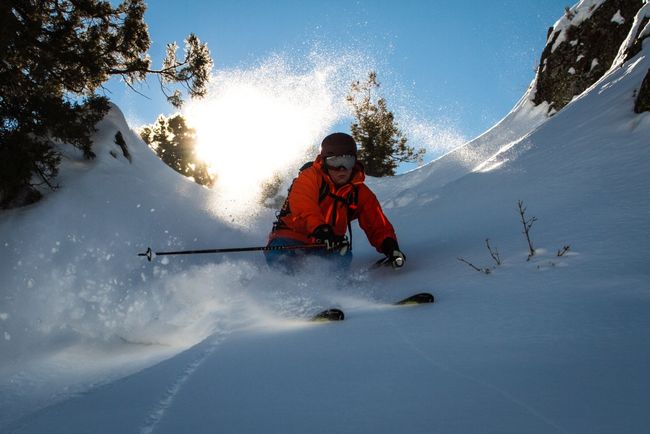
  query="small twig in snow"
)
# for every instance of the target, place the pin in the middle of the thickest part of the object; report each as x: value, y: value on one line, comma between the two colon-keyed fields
x: 528, y: 223
x: 480, y: 270
x: 493, y: 252
x: 563, y: 250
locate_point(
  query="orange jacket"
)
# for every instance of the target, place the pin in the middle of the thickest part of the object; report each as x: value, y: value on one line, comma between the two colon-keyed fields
x: 303, y: 213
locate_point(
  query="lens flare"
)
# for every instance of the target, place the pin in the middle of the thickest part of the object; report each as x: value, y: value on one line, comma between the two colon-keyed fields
x: 257, y: 123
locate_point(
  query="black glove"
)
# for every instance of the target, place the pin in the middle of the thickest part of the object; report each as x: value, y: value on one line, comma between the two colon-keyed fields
x: 390, y: 248
x: 325, y: 234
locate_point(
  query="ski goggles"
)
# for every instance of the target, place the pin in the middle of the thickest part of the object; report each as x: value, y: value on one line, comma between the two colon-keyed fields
x: 340, y: 162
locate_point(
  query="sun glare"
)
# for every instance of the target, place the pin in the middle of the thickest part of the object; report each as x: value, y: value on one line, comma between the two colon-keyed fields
x: 260, y: 123
x: 256, y: 124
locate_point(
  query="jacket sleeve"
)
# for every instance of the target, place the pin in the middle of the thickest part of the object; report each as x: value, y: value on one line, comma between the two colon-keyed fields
x: 303, y: 202
x: 372, y: 219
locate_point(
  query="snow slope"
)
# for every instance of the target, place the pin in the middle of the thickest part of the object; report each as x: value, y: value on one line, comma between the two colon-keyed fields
x: 98, y: 340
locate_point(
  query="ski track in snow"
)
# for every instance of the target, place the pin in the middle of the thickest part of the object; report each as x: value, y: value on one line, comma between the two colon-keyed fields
x: 158, y: 413
x: 505, y: 394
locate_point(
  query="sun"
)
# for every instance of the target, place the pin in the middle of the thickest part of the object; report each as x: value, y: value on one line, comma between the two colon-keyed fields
x: 258, y: 124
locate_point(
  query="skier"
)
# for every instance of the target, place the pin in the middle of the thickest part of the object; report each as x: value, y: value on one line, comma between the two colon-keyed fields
x: 325, y: 197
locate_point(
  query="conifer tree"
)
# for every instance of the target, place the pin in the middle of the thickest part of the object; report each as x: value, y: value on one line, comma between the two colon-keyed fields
x: 56, y: 54
x: 382, y: 144
x: 174, y: 142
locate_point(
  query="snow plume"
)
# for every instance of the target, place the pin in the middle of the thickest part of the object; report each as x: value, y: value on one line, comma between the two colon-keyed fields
x: 183, y: 308
x: 64, y: 334
x: 257, y: 123
x: 437, y: 137
x: 170, y: 303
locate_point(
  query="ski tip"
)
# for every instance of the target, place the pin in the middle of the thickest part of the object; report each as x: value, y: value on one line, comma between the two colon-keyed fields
x: 421, y: 298
x: 329, y: 315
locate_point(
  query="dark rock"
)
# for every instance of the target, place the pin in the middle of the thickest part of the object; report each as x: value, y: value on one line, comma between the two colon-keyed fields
x: 642, y: 103
x: 585, y: 55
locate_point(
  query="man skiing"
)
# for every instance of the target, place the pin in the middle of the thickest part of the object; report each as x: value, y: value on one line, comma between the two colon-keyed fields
x: 325, y: 197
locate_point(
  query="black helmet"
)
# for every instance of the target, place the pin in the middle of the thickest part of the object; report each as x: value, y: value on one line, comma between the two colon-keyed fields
x: 338, y: 144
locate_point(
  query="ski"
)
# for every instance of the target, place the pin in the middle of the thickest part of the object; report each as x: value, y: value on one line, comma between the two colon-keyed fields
x: 329, y: 315
x: 334, y: 314
x: 420, y: 298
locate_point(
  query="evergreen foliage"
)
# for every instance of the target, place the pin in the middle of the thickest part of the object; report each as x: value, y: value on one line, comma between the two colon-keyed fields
x: 382, y: 144
x: 56, y: 55
x: 174, y: 142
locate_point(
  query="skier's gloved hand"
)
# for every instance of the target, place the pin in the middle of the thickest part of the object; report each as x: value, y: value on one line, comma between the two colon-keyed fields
x: 325, y: 234
x: 390, y: 248
x: 340, y: 245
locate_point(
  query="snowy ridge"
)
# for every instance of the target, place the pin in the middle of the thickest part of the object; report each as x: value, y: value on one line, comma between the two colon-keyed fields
x: 474, y: 155
x: 636, y: 33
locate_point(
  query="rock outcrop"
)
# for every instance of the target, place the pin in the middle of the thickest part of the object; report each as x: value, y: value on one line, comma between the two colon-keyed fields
x: 582, y: 47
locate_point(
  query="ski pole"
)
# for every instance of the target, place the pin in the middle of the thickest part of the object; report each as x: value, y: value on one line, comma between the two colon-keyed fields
x: 386, y: 261
x: 151, y: 254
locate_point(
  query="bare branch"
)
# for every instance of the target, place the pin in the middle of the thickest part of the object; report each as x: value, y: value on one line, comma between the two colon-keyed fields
x: 493, y: 252
x: 527, y: 223
x: 563, y: 250
x: 135, y: 90
x: 480, y: 270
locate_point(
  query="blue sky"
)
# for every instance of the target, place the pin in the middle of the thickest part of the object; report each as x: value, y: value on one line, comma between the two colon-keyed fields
x: 464, y: 64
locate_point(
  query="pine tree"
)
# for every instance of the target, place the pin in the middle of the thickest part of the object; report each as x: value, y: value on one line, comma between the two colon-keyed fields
x: 174, y: 142
x: 382, y: 144
x: 56, y: 55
